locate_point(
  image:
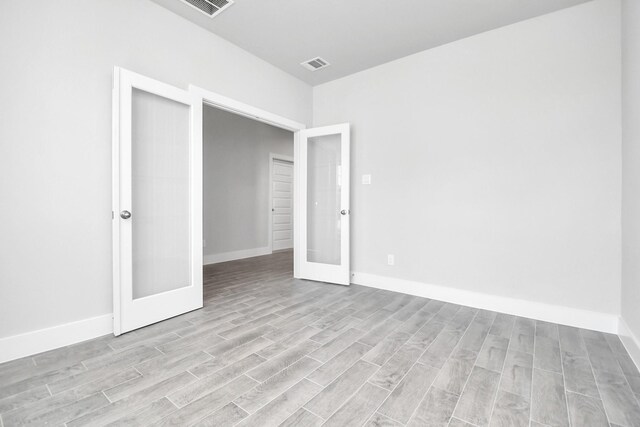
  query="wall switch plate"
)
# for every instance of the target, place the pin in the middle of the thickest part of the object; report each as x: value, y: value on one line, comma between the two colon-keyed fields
x: 366, y: 179
x: 204, y: 243
x: 391, y: 259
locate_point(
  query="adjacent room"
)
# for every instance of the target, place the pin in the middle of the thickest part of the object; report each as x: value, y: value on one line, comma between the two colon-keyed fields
x: 296, y: 213
x: 247, y: 187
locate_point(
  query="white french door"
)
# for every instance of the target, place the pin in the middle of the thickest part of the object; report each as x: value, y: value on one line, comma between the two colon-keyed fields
x: 322, y: 221
x: 157, y: 201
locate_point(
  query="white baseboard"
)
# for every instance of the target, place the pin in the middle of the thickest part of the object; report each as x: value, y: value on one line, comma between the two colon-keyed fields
x: 630, y: 341
x: 603, y: 322
x: 30, y: 343
x: 235, y: 255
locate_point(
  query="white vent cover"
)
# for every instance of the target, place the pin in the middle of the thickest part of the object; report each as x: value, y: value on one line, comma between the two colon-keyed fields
x: 315, y: 64
x: 210, y: 8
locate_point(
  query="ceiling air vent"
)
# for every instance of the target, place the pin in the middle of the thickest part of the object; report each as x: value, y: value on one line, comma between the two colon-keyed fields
x: 315, y: 64
x: 210, y: 8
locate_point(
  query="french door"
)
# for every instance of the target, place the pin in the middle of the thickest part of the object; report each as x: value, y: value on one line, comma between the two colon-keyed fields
x: 322, y: 221
x: 157, y: 201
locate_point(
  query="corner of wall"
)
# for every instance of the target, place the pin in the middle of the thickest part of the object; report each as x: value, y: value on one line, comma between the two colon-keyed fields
x: 630, y: 341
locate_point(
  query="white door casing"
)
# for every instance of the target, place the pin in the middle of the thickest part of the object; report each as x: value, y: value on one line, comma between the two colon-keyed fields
x: 157, y: 201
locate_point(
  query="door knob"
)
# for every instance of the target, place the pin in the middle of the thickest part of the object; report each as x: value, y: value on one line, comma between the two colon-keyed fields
x: 343, y: 211
x: 125, y: 214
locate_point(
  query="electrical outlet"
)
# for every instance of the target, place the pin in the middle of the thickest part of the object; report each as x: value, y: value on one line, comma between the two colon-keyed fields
x: 366, y: 179
x: 391, y: 259
x: 204, y: 243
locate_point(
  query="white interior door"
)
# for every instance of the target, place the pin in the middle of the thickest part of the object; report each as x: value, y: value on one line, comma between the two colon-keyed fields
x: 157, y: 201
x: 281, y: 205
x: 322, y: 216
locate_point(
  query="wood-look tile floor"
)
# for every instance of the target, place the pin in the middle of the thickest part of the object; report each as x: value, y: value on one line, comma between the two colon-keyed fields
x: 269, y: 350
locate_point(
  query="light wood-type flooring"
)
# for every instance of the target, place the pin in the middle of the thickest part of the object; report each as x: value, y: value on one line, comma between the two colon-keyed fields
x: 269, y: 350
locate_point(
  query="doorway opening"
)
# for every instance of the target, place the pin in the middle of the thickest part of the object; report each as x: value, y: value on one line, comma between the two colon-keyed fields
x: 247, y: 187
x: 157, y: 199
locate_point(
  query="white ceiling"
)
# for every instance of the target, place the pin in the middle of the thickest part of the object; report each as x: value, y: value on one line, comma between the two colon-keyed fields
x: 354, y: 35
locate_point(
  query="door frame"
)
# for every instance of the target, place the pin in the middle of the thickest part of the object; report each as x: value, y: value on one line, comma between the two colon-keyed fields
x: 222, y: 102
x: 282, y: 158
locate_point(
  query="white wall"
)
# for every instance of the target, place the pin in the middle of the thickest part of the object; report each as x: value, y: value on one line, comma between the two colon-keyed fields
x: 236, y: 180
x: 495, y: 161
x: 631, y: 165
x: 56, y: 61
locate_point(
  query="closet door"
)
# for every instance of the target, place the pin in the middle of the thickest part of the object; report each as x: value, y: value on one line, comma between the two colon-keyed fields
x: 157, y: 201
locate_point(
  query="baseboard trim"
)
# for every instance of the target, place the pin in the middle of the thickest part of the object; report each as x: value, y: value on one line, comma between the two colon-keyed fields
x: 630, y: 341
x: 235, y: 255
x: 603, y: 322
x: 30, y: 343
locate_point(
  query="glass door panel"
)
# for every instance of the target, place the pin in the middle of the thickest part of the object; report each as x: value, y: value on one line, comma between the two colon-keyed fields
x: 324, y: 199
x: 160, y: 194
